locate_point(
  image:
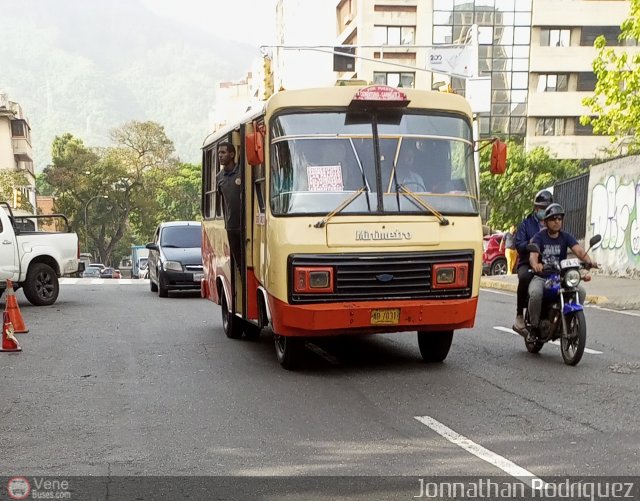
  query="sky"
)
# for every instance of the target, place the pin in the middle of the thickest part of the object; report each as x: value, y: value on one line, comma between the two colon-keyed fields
x: 249, y: 21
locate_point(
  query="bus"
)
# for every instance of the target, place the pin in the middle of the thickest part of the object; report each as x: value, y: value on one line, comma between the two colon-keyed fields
x: 360, y: 215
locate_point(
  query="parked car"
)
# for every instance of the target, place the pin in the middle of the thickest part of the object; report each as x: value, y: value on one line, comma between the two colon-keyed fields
x: 175, y: 257
x: 107, y: 272
x: 91, y: 272
x: 494, y: 261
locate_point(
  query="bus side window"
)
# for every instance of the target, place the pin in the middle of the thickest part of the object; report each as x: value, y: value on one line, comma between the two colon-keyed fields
x: 260, y: 187
x: 209, y: 183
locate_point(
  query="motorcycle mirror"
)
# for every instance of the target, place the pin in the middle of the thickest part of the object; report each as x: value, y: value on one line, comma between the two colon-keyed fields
x: 594, y: 240
x: 533, y: 248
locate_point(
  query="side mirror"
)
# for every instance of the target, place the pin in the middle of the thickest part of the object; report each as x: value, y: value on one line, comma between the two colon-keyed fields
x: 533, y: 248
x: 152, y: 246
x: 498, y: 157
x: 595, y: 239
x: 254, y: 146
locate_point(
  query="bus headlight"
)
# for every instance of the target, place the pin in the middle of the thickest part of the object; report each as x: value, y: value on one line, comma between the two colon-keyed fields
x: 572, y: 278
x: 450, y: 276
x: 312, y: 280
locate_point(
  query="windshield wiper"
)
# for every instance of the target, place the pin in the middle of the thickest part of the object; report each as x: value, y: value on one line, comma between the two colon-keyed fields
x: 401, y: 188
x: 323, y: 222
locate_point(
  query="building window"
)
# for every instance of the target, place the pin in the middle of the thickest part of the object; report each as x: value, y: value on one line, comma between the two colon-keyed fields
x: 582, y: 130
x: 18, y: 128
x: 552, y: 37
x: 590, y: 33
x: 587, y: 81
x: 394, y: 79
x: 550, y: 127
x: 553, y: 83
x: 394, y: 35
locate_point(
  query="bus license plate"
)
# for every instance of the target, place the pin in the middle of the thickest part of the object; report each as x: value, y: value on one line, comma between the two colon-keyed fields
x: 385, y: 317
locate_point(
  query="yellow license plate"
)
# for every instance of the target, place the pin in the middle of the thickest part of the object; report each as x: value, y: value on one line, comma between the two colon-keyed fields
x: 385, y: 317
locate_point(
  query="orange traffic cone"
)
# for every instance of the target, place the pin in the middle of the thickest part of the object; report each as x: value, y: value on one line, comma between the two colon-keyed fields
x: 9, y: 342
x: 14, y: 312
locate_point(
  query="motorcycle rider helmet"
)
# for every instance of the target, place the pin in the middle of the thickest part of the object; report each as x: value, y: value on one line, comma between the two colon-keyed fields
x: 553, y: 210
x: 543, y: 198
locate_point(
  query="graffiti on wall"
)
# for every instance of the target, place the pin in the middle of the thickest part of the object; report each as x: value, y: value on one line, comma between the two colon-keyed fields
x: 615, y: 210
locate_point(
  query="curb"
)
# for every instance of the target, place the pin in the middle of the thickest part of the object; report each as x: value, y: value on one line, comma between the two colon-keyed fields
x: 489, y: 283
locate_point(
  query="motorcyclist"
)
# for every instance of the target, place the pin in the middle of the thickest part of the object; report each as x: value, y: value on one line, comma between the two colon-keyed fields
x: 531, y: 225
x: 553, y: 244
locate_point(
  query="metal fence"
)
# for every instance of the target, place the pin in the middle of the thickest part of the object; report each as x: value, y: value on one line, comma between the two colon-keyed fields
x: 573, y: 194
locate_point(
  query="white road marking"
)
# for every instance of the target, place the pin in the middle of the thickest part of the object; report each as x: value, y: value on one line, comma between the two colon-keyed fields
x: 556, y: 342
x: 498, y: 292
x: 622, y: 312
x: 510, y: 468
x: 101, y: 281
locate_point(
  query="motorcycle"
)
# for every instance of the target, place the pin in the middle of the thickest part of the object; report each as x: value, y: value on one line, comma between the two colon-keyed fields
x: 562, y: 315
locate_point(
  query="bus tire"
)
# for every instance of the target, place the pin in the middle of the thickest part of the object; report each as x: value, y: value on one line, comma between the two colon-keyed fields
x: 288, y: 351
x: 231, y: 324
x: 434, y: 346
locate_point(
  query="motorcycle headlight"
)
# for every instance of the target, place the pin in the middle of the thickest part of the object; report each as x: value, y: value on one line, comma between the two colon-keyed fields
x: 572, y: 278
x: 173, y: 265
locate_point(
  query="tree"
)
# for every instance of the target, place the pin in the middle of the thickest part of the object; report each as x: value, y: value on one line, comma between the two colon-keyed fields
x: 615, y: 105
x: 80, y: 174
x: 10, y: 181
x: 510, y: 195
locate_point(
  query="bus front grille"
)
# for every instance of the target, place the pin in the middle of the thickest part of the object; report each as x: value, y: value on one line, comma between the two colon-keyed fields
x: 378, y: 276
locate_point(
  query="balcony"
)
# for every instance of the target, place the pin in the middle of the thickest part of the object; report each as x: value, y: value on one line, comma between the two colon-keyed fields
x: 557, y: 104
x: 571, y: 147
x: 22, y: 149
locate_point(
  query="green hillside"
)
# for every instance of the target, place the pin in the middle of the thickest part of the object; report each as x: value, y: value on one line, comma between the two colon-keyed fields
x: 86, y: 66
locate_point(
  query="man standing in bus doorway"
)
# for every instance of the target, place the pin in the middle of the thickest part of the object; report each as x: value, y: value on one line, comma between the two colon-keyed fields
x: 229, y: 184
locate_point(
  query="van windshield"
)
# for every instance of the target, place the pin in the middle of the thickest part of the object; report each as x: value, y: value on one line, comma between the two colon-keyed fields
x: 320, y: 159
x: 181, y: 236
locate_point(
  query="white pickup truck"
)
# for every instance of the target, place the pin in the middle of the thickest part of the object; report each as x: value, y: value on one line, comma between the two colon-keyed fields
x: 34, y: 260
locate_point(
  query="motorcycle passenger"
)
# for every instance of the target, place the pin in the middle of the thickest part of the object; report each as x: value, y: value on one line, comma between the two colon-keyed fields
x: 553, y: 244
x: 531, y: 225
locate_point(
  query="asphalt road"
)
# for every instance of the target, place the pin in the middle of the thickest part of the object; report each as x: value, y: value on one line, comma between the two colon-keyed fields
x: 113, y: 380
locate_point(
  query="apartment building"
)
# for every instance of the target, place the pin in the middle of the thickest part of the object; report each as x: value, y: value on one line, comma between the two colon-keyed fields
x: 560, y: 73
x: 538, y: 54
x: 15, y: 145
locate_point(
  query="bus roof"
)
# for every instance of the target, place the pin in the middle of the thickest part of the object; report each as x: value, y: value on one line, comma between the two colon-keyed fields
x: 341, y: 96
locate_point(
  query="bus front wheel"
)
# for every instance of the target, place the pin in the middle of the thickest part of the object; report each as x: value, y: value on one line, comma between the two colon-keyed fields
x: 288, y: 350
x: 434, y: 346
x: 230, y: 323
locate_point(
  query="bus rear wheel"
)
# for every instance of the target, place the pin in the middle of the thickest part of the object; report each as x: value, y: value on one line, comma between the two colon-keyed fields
x: 434, y: 346
x: 288, y: 351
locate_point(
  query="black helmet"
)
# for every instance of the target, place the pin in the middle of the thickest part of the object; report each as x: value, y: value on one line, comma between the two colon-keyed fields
x: 553, y: 210
x: 543, y: 198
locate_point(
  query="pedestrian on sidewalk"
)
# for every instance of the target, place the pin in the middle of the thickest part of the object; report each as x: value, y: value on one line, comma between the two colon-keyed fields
x: 508, y: 245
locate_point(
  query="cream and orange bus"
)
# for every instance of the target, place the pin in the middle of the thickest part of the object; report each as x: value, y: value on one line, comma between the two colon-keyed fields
x: 360, y: 216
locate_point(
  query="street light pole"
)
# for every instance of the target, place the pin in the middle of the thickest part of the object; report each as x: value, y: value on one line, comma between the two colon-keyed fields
x: 86, y: 224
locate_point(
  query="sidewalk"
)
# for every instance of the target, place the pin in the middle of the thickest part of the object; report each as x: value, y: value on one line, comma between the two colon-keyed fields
x: 609, y: 292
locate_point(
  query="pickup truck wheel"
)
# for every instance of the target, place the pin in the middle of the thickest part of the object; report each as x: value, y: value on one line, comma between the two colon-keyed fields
x: 41, y: 287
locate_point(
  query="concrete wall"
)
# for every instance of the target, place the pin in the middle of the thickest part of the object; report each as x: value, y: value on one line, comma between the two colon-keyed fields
x: 613, y: 210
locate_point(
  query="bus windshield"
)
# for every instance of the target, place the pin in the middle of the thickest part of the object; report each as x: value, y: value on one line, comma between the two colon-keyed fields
x: 320, y: 160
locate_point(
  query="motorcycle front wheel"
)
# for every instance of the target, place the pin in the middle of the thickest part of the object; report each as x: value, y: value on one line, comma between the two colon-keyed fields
x: 573, y: 343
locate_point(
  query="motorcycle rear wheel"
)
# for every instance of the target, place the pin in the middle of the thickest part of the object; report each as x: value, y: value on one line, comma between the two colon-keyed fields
x: 572, y: 345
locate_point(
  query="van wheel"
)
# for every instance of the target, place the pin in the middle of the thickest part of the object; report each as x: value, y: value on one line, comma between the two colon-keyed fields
x: 434, y: 346
x: 41, y: 287
x: 231, y: 324
x: 288, y: 351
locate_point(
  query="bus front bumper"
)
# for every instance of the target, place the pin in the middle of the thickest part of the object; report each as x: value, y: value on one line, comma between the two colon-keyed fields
x: 335, y: 319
